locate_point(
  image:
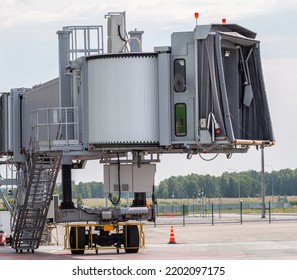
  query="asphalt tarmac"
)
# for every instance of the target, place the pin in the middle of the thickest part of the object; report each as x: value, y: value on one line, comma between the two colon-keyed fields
x: 224, y: 241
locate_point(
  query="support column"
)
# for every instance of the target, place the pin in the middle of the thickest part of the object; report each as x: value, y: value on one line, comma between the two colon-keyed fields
x: 263, y: 183
x: 139, y: 199
x: 66, y: 184
x: 65, y: 80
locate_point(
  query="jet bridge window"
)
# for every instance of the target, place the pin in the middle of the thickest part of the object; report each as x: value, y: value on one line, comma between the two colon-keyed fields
x: 180, y: 110
x: 179, y: 75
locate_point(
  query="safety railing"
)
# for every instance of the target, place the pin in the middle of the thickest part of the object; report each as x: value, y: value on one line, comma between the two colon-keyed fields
x: 84, y: 41
x: 55, y: 128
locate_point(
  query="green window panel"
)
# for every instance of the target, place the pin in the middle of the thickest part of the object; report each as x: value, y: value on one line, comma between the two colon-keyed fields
x: 180, y: 110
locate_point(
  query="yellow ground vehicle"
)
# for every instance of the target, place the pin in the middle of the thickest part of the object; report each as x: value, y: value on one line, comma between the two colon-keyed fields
x: 81, y: 237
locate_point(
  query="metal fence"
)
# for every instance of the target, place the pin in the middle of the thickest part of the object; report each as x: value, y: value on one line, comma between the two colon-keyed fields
x: 223, y: 213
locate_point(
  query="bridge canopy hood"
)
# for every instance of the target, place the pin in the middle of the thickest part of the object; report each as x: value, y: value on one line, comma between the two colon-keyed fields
x: 231, y: 84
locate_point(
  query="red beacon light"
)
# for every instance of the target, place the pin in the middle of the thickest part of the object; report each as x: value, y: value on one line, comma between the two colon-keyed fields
x: 224, y: 21
x: 196, y: 16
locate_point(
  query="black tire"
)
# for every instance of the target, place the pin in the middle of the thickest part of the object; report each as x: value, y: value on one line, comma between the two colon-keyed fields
x: 131, y: 239
x: 80, y: 248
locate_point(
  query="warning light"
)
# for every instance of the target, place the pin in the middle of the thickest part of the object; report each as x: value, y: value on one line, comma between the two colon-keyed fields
x: 196, y: 15
x: 224, y: 20
x: 218, y: 131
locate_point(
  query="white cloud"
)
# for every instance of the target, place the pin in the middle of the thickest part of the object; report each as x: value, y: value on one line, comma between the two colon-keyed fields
x: 164, y: 13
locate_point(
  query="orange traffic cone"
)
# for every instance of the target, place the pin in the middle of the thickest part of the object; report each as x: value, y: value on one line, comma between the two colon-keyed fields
x: 172, y: 237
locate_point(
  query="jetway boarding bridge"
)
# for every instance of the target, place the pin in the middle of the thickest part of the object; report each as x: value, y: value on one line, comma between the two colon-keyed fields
x: 203, y: 94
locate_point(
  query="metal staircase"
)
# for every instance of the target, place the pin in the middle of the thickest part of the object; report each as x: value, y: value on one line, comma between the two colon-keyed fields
x: 33, y: 198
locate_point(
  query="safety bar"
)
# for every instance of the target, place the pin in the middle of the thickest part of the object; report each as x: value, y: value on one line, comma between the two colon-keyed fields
x: 54, y: 127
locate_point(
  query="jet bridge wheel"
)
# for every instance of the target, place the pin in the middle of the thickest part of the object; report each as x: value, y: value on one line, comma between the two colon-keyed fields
x: 77, y: 240
x: 131, y: 238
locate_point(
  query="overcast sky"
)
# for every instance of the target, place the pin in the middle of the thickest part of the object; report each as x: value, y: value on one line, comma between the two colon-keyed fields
x: 28, y: 48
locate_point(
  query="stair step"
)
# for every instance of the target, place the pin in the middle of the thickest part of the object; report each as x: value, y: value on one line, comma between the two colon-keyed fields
x: 25, y: 241
x: 30, y: 230
x: 33, y: 217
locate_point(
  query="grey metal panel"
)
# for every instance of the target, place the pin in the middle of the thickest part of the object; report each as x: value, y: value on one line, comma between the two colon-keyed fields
x: 136, y: 179
x: 179, y: 41
x: 5, y: 125
x: 43, y: 96
x: 112, y: 178
x: 83, y: 102
x: 182, y: 44
x: 16, y: 123
x: 233, y: 28
x: 143, y: 177
x: 236, y: 38
x: 65, y: 98
x: 202, y: 31
x: 164, y: 58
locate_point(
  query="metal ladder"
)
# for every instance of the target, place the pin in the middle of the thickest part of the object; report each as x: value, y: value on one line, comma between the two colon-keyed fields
x: 33, y: 200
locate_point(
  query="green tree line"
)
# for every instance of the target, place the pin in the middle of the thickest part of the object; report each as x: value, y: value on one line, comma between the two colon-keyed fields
x: 84, y: 190
x: 229, y: 184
